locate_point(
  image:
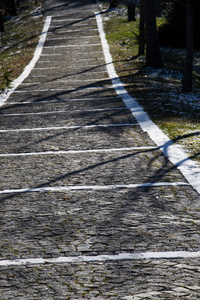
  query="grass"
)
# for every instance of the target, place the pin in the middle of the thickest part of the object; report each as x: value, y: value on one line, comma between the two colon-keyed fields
x: 18, y: 43
x: 158, y: 91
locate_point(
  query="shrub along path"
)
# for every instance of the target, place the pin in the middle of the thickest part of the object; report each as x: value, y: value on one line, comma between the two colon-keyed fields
x: 80, y: 218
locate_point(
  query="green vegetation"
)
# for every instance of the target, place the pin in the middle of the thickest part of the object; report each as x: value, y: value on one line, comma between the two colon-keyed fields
x: 18, y: 42
x: 159, y: 91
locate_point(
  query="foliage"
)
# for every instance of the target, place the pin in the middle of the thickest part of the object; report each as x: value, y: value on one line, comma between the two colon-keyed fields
x: 173, y: 32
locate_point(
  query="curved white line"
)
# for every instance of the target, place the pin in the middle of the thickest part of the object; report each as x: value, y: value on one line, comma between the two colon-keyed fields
x: 5, y: 95
x: 174, y: 153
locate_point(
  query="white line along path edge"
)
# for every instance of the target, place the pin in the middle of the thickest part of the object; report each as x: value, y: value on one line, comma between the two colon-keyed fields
x: 100, y: 258
x: 5, y: 95
x: 174, y: 153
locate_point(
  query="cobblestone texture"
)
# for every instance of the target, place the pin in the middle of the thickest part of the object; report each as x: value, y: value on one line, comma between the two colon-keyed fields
x: 69, y: 82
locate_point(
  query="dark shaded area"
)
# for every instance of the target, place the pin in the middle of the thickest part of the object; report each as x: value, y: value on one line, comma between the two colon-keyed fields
x: 173, y: 33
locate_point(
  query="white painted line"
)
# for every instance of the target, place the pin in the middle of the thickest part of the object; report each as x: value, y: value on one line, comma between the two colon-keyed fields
x: 62, y: 111
x: 66, y: 19
x: 70, y: 13
x: 44, y: 68
x: 78, y: 30
x: 174, y: 153
x: 50, y: 54
x: 5, y: 95
x: 102, y: 258
x: 44, y: 61
x: 62, y: 152
x: 37, y: 76
x: 63, y: 20
x: 73, y: 89
x: 30, y: 83
x: 70, y: 37
x: 67, y: 127
x: 64, y: 100
x: 76, y: 24
x: 71, y: 68
x: 93, y: 187
x: 75, y: 45
x: 95, y: 80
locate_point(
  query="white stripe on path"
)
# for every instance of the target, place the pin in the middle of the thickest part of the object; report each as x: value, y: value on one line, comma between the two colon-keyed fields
x: 4, y: 96
x: 102, y: 258
x: 64, y: 100
x: 93, y: 187
x: 76, y: 24
x: 71, y: 37
x: 94, y: 80
x: 67, y: 127
x: 78, y: 30
x: 62, y: 111
x: 189, y: 169
x: 72, y: 89
x: 65, y: 152
x: 75, y: 45
x: 46, y: 68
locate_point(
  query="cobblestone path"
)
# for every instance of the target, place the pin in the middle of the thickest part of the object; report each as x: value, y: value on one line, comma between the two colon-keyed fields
x: 76, y: 190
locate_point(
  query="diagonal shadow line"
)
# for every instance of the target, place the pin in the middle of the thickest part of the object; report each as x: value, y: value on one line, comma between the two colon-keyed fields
x: 52, y: 30
x: 96, y: 83
x: 188, y: 135
x: 47, y: 10
x: 153, y: 178
x: 175, y: 140
x: 162, y: 171
x: 113, y: 114
x: 91, y: 167
x: 80, y: 73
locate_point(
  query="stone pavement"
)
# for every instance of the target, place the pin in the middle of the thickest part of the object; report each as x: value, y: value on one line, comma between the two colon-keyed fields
x: 66, y: 140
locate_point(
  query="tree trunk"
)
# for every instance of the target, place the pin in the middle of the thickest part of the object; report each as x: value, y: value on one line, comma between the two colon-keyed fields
x: 131, y: 12
x: 1, y: 22
x: 187, y: 80
x: 142, y: 29
x: 153, y: 54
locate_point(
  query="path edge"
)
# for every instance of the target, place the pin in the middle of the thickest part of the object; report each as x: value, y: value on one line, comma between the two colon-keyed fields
x: 15, y: 83
x: 176, y: 155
